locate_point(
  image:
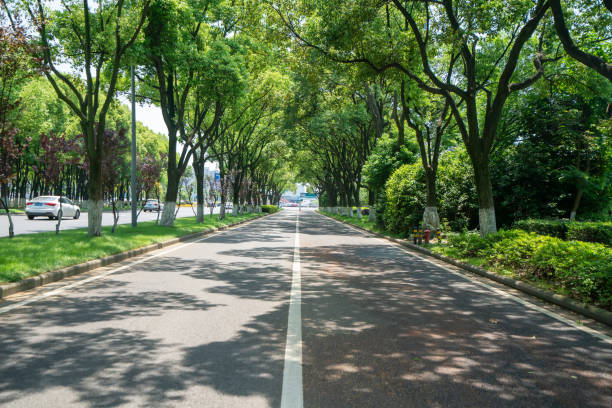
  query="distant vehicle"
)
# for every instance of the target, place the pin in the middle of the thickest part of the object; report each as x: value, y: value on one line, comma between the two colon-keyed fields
x: 229, y: 206
x: 152, y: 205
x: 49, y: 206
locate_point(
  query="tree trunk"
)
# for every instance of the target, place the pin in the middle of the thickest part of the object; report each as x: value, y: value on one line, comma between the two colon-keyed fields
x: 167, y: 217
x: 198, y: 167
x: 115, y: 215
x: 60, y: 214
x: 4, y: 202
x: 576, y: 204
x: 486, y: 208
x: 95, y: 204
x: 431, y: 219
x: 372, y: 215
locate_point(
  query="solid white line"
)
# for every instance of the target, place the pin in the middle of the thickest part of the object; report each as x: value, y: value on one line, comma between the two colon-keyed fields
x: 517, y: 299
x: 58, y: 291
x: 292, y: 392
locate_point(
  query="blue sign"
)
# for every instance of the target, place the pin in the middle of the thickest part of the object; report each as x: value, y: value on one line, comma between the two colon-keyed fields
x: 217, y: 176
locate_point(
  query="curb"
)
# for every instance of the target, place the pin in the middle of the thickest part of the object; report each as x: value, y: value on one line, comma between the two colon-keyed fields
x: 54, y: 276
x: 601, y: 315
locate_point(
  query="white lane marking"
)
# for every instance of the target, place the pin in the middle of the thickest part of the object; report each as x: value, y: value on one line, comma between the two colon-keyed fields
x: 517, y: 299
x: 58, y: 291
x: 292, y: 393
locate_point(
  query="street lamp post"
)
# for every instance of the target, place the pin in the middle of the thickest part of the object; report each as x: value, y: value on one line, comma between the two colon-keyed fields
x: 133, y: 181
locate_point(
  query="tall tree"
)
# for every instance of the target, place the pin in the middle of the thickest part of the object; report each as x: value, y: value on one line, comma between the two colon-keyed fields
x: 93, y: 42
x: 193, y: 66
x: 487, y: 40
x: 16, y: 64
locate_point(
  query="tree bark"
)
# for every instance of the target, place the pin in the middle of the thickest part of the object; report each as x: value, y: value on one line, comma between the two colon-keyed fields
x: 4, y: 202
x: 484, y: 188
x: 95, y: 204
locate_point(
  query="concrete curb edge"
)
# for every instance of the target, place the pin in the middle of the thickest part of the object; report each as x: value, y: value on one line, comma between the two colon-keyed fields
x: 8, y: 289
x: 601, y: 315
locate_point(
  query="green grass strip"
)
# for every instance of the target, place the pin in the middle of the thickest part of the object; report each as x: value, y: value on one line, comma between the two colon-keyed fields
x: 31, y: 254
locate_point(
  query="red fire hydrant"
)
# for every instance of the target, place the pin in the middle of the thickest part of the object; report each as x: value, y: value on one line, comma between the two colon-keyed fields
x: 427, y: 232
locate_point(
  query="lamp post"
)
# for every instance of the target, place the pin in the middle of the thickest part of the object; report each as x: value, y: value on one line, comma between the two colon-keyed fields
x: 133, y: 181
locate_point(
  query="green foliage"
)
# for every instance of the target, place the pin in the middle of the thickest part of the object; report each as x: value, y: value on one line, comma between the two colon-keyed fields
x: 405, y: 195
x: 383, y: 161
x: 582, y: 270
x: 555, y: 141
x: 590, y: 232
x: 553, y: 228
x: 269, y: 209
x: 458, y: 202
x: 580, y: 231
x: 405, y: 199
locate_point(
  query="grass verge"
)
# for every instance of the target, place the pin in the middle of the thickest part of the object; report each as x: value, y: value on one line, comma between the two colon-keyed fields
x: 12, y: 211
x: 31, y: 254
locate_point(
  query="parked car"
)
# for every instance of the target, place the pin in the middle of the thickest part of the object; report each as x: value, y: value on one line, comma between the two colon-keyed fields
x: 49, y: 206
x: 152, y: 205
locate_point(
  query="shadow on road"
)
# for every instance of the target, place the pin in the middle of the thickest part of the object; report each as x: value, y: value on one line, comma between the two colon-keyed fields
x: 381, y: 329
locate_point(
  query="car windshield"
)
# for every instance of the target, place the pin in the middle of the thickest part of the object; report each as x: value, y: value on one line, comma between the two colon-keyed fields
x: 45, y: 198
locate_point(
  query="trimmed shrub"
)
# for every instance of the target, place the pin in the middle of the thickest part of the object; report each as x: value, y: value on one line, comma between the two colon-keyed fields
x: 269, y: 208
x: 553, y: 228
x: 580, y: 231
x: 582, y: 270
x: 405, y: 199
x: 591, y: 232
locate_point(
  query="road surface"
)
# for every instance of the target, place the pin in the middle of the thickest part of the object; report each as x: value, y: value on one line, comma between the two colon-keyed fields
x: 41, y: 224
x: 270, y: 314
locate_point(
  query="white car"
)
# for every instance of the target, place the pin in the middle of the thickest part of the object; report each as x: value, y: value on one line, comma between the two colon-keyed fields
x: 153, y: 205
x: 49, y: 206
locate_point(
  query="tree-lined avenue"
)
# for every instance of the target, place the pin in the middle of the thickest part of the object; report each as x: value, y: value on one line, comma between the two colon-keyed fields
x: 205, y: 324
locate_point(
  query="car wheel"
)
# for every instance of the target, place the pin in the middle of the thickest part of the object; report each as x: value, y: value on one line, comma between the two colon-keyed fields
x: 51, y: 217
x: 77, y: 214
x: 30, y: 217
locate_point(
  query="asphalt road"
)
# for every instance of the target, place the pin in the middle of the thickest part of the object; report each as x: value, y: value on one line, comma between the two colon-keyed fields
x: 41, y: 224
x: 205, y: 324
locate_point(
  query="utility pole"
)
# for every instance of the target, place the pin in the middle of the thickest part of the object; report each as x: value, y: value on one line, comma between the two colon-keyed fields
x: 134, y: 192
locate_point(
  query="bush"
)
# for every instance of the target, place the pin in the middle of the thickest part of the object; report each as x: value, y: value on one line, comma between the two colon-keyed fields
x: 553, y: 228
x: 405, y: 199
x: 582, y: 270
x: 269, y: 208
x: 591, y: 232
x: 580, y: 231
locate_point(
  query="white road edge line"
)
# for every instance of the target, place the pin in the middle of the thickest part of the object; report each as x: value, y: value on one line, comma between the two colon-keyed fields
x: 292, y: 393
x: 530, y: 305
x: 58, y: 291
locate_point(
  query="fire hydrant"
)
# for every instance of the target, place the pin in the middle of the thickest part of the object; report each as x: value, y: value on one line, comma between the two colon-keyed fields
x: 427, y: 232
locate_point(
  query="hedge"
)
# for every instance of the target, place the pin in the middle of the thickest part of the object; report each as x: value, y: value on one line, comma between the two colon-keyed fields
x: 591, y: 232
x: 269, y: 208
x: 582, y: 270
x: 553, y: 228
x: 580, y: 231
